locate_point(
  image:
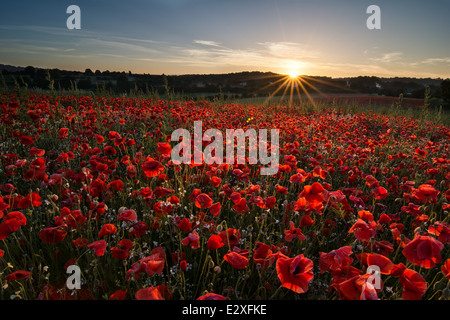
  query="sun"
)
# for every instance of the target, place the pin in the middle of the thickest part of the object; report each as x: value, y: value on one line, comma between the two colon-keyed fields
x: 293, y: 74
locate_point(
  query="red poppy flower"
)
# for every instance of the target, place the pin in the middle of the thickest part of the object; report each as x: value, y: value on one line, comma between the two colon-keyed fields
x: 263, y: 255
x: 384, y: 219
x: 297, y: 178
x: 215, y: 242
x: 241, y: 206
x: 165, y: 291
x: 216, y: 181
x: 164, y: 148
x: 80, y: 242
x: 116, y: 185
x: 363, y: 230
x: 445, y: 268
x: 365, y: 215
x: 215, y: 209
x: 211, y: 296
x: 122, y: 251
x: 153, y: 264
x: 19, y: 216
x: 99, y: 247
x: 313, y: 192
x: 63, y: 133
x: 194, y: 195
x: 441, y: 230
x: 74, y: 219
x: 139, y: 228
x: 281, y: 189
x: 107, y: 230
x: 424, y: 251
x: 236, y: 260
x: 356, y: 288
x: 7, y: 187
x: 127, y: 215
x: 110, y: 151
x: 414, y: 285
x: 203, y: 201
x: 380, y: 193
x: 31, y: 200
x: 183, y: 265
x: 231, y: 237
x: 293, y: 233
x: 26, y: 140
x: 336, y: 259
x: 184, y: 225
x: 306, y: 221
x: 118, y: 295
x: 152, y: 168
x: 382, y: 262
x: 267, y: 203
x: 320, y: 172
x: 425, y: 193
x: 295, y: 273
x: 36, y: 152
x: 192, y: 239
x: 99, y: 138
x: 131, y: 171
x: 18, y: 275
x: 52, y: 235
x: 150, y: 293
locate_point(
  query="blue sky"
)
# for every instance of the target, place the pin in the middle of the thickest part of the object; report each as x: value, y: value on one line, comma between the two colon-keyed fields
x: 316, y: 37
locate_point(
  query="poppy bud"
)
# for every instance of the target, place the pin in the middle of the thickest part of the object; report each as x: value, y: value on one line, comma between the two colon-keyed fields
x: 446, y: 293
x: 217, y: 270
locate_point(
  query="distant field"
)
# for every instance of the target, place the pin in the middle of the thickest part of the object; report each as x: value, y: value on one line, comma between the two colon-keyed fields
x: 356, y: 99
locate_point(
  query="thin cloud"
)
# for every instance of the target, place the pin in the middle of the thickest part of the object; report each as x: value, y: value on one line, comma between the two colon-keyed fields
x: 445, y: 60
x: 389, y: 57
x: 208, y: 43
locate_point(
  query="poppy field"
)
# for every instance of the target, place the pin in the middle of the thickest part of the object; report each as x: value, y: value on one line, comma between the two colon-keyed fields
x: 88, y: 181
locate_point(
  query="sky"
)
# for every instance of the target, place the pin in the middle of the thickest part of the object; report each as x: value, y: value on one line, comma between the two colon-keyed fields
x: 173, y: 37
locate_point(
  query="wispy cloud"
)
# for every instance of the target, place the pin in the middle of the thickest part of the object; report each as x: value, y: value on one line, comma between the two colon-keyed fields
x: 389, y: 57
x: 289, y: 50
x: 445, y: 60
x: 208, y: 43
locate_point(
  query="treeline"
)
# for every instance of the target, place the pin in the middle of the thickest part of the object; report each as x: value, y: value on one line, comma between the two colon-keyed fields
x: 242, y: 84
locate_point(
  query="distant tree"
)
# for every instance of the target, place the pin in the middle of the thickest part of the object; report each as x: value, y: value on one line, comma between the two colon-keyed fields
x: 122, y: 83
x: 418, y: 94
x: 88, y: 72
x: 30, y: 71
x: 98, y: 73
x: 364, y: 84
x: 445, y: 92
x: 84, y: 84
